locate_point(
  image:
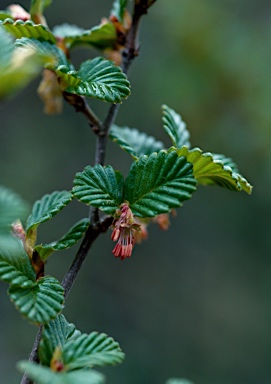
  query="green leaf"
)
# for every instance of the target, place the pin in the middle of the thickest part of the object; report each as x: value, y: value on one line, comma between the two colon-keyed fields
x: 15, y: 265
x: 44, y: 375
x: 38, y: 6
x: 5, y: 15
x: 44, y: 209
x: 40, y: 303
x: 54, y: 334
x: 101, y: 37
x: 134, y: 142
x: 158, y: 183
x: 101, y: 79
x: 12, y: 207
x: 28, y: 29
x: 209, y: 171
x: 118, y: 9
x: 175, y: 127
x: 100, y: 187
x: 178, y: 381
x: 67, y: 241
x: 90, y: 350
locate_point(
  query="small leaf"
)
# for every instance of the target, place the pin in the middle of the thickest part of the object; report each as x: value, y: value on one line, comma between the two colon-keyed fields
x: 101, y: 79
x: 67, y: 241
x: 15, y: 265
x: 37, y: 8
x: 12, y: 207
x: 175, y: 127
x: 118, y: 9
x: 209, y: 171
x: 134, y: 142
x: 44, y: 375
x: 40, y: 303
x: 28, y: 29
x: 44, y: 209
x: 158, y: 183
x: 56, y: 333
x: 90, y: 350
x: 100, y: 187
x: 101, y: 37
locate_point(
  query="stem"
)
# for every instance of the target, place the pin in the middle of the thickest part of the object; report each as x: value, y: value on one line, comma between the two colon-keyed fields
x: 33, y: 357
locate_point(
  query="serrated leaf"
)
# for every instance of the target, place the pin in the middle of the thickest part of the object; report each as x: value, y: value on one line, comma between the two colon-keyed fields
x: 44, y: 375
x: 118, y: 9
x: 67, y: 241
x: 49, y: 205
x: 15, y: 265
x: 12, y: 207
x: 95, y: 349
x: 56, y: 333
x: 100, y: 187
x: 158, y: 183
x: 40, y: 303
x: 50, y: 54
x: 134, y: 142
x: 175, y: 127
x: 178, y: 381
x: 5, y: 15
x: 37, y: 8
x: 28, y: 29
x: 101, y: 79
x: 209, y: 171
x: 101, y: 37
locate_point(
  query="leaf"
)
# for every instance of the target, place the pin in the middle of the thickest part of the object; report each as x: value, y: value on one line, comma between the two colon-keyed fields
x: 5, y: 15
x: 134, y: 142
x: 15, y: 265
x: 44, y: 375
x: 158, y: 183
x: 28, y: 29
x: 175, y: 127
x: 209, y: 171
x: 101, y: 79
x: 37, y: 8
x: 67, y: 241
x: 12, y: 207
x: 40, y: 303
x: 54, y: 334
x: 90, y: 350
x: 118, y: 9
x: 100, y: 187
x: 44, y: 209
x: 101, y: 37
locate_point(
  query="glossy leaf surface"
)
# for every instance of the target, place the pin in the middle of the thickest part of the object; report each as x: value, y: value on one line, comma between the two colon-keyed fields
x: 47, y: 207
x: 44, y: 375
x: 100, y: 187
x: 175, y: 127
x: 134, y: 142
x: 100, y: 79
x: 158, y: 183
x: 40, y: 303
x: 67, y: 241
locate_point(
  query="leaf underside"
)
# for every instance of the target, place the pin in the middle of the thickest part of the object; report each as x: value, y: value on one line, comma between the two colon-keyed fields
x: 158, y: 183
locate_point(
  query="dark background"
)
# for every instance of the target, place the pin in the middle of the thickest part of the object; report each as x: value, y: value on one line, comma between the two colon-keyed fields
x: 194, y: 301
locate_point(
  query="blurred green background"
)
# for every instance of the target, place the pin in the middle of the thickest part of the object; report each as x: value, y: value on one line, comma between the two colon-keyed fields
x: 194, y: 301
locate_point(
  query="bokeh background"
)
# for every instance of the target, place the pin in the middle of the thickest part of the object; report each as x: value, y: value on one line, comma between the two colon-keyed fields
x: 194, y: 301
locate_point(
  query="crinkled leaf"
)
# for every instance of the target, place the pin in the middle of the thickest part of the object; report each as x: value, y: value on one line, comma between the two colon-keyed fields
x: 44, y: 375
x: 15, y: 265
x: 67, y: 241
x: 28, y: 29
x: 56, y: 333
x: 100, y: 187
x: 118, y: 9
x: 226, y: 161
x: 38, y: 6
x: 101, y: 79
x: 178, y: 381
x: 51, y: 55
x: 5, y: 15
x: 134, y: 142
x: 40, y: 303
x: 158, y: 183
x: 175, y: 127
x: 90, y: 350
x: 12, y: 207
x: 209, y: 171
x: 47, y: 207
x: 101, y: 37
